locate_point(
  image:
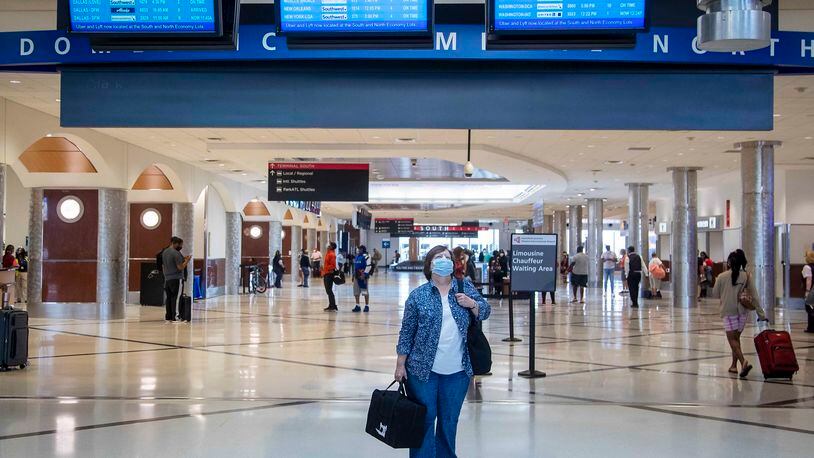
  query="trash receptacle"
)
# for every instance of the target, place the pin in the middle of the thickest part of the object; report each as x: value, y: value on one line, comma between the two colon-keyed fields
x: 152, y: 285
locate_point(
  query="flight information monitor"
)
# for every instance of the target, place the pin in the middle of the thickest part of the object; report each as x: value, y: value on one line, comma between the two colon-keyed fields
x: 363, y: 16
x: 567, y: 15
x: 145, y: 17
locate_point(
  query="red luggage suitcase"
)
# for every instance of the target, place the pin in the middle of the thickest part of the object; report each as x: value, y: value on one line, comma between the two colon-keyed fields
x: 776, y: 354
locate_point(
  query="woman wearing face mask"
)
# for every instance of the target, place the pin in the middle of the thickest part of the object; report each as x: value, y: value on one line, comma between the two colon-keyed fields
x: 432, y: 350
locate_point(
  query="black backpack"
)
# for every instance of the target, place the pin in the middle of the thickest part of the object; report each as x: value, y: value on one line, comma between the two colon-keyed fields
x: 480, y: 353
x: 159, y: 260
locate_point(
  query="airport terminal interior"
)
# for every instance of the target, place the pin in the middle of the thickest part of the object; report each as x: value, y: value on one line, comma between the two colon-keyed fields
x: 305, y: 158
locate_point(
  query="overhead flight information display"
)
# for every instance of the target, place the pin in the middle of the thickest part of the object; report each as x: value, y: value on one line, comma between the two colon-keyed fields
x: 328, y: 16
x: 145, y: 16
x: 568, y: 15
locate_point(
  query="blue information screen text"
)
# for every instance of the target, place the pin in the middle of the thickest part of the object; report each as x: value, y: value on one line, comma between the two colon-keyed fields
x: 565, y: 15
x: 143, y: 16
x: 353, y: 15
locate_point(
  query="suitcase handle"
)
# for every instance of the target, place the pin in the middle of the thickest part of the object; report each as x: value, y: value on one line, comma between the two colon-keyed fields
x: 400, y: 389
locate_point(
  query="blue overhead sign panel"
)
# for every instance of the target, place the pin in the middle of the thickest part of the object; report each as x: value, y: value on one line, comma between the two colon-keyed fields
x: 333, y: 16
x: 144, y: 16
x: 568, y: 15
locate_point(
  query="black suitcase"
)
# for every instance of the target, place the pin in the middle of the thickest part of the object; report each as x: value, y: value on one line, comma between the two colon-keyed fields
x: 396, y: 420
x: 13, y: 339
x: 184, y: 304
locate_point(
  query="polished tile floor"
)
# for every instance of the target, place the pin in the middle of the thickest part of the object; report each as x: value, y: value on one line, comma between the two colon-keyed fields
x: 274, y: 376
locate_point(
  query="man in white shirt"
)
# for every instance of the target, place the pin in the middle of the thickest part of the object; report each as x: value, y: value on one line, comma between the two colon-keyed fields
x: 609, y: 261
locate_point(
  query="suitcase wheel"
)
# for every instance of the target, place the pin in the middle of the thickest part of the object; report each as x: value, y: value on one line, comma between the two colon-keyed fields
x: 23, y: 366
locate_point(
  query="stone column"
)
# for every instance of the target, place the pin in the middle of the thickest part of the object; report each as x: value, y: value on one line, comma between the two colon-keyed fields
x: 3, y: 205
x: 234, y: 229
x: 275, y: 238
x: 312, y: 239
x: 685, y: 236
x: 296, y: 247
x: 593, y: 248
x: 574, y: 228
x: 561, y: 229
x: 638, y: 224
x: 183, y: 226
x: 548, y: 224
x: 413, y: 249
x: 35, y: 249
x: 112, y: 257
x: 757, y: 218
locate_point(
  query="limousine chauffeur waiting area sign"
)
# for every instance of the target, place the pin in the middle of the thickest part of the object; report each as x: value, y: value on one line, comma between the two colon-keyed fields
x: 533, y: 269
x: 322, y: 182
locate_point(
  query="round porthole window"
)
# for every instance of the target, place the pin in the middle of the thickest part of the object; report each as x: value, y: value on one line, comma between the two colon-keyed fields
x: 255, y: 232
x: 150, y: 218
x: 70, y: 209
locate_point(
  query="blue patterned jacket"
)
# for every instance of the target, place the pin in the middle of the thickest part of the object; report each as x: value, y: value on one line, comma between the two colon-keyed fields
x: 421, y: 326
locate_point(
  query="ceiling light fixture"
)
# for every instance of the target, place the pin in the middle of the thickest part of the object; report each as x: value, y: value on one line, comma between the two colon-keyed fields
x: 469, y: 168
x: 809, y: 138
x: 16, y: 82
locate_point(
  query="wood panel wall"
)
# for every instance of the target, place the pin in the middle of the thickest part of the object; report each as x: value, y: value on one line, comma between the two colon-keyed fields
x: 255, y: 248
x: 145, y: 243
x: 69, y: 251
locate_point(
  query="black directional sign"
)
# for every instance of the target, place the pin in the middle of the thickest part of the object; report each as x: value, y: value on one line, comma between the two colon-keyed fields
x: 394, y: 225
x: 534, y: 262
x: 317, y: 181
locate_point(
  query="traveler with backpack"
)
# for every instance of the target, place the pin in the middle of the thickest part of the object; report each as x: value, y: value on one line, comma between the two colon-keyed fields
x: 362, y: 267
x: 173, y: 265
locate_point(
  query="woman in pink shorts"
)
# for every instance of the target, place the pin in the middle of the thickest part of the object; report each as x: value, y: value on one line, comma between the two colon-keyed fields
x: 728, y: 288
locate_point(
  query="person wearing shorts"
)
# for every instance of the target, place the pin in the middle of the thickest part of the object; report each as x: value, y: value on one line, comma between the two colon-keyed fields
x: 728, y: 289
x: 579, y: 274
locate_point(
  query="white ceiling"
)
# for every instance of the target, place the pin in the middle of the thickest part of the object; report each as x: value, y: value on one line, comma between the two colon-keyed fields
x: 577, y: 159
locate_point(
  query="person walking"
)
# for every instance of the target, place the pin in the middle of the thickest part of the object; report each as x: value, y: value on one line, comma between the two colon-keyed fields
x: 432, y: 350
x: 328, y: 272
x: 173, y: 265
x: 396, y: 257
x: 9, y: 261
x: 609, y: 261
x: 305, y: 268
x: 633, y: 272
x: 579, y: 274
x: 564, y: 265
x: 375, y: 259
x: 316, y: 259
x: 706, y: 278
x: 808, y: 279
x: 278, y: 268
x: 729, y: 288
x: 362, y: 267
x: 622, y: 263
x: 656, y: 269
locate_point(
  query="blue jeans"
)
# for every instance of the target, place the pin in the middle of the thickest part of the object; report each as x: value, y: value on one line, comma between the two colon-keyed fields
x: 443, y: 395
x: 609, y: 278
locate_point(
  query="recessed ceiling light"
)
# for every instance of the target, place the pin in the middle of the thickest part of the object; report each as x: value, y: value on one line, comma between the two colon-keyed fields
x: 15, y: 82
x: 592, y: 189
x: 49, y: 135
x: 591, y: 146
x: 579, y: 194
x: 720, y: 138
x: 777, y: 115
x: 221, y: 165
x: 809, y: 138
x: 680, y: 154
x: 375, y: 137
x: 244, y: 174
x: 614, y: 162
x: 57, y: 100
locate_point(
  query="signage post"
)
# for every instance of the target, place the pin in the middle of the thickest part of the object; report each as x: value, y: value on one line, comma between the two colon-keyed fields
x: 533, y: 269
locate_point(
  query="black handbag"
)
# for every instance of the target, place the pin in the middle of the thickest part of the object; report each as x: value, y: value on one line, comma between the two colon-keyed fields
x: 480, y: 352
x: 395, y: 419
x: 339, y: 277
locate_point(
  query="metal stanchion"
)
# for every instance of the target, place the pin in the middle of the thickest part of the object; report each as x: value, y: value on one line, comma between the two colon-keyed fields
x: 511, y: 337
x: 532, y: 372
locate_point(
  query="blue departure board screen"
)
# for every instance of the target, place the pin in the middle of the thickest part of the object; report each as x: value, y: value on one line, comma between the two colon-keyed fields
x: 144, y: 16
x: 328, y: 16
x: 568, y: 15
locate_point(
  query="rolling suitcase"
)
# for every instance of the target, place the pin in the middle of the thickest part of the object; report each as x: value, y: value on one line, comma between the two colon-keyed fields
x: 184, y: 304
x: 13, y: 339
x: 776, y: 354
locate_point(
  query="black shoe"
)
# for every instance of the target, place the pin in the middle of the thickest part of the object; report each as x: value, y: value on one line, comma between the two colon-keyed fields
x: 635, y: 306
x: 330, y: 308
